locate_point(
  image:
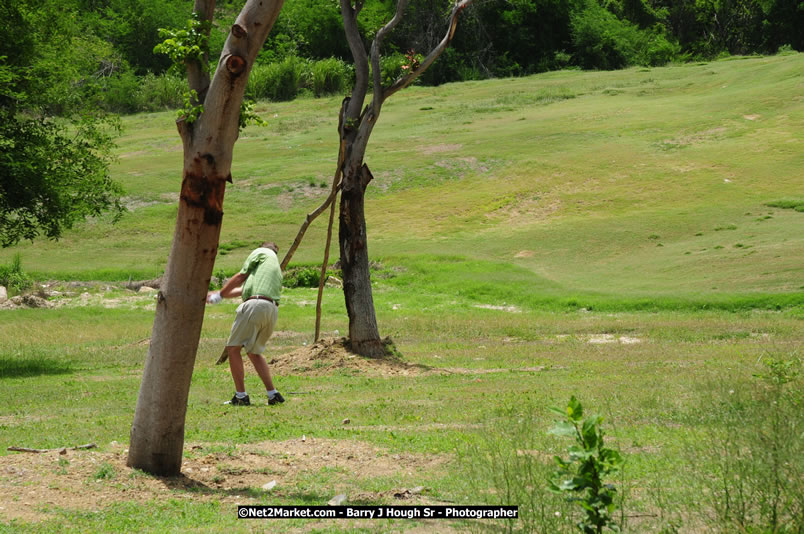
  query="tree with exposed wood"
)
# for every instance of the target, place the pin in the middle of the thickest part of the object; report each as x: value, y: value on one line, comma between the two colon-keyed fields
x: 357, y: 121
x: 208, y: 129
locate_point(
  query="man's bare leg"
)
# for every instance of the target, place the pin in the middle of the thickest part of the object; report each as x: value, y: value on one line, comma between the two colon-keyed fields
x: 236, y: 368
x: 261, y: 366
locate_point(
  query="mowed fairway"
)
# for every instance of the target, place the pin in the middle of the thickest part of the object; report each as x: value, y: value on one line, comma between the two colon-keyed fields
x: 617, y: 236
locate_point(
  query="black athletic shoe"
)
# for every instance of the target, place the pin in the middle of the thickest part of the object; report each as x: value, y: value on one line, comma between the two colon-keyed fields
x: 239, y: 402
x: 276, y: 399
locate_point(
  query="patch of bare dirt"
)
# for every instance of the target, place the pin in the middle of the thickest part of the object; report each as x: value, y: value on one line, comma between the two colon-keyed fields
x: 509, y: 309
x: 332, y: 354
x: 602, y: 339
x: 463, y: 166
x: 90, y: 480
x: 434, y: 149
x: 300, y: 192
x: 694, y: 138
x: 527, y: 209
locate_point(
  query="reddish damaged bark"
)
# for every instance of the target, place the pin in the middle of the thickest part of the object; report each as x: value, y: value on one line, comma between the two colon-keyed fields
x: 204, y: 190
x: 201, y: 192
x: 236, y: 65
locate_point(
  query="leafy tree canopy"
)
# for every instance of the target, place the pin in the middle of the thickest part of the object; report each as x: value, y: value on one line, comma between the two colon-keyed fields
x: 53, y: 171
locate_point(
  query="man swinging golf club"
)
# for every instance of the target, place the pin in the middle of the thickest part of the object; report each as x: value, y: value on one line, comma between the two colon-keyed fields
x: 259, y: 283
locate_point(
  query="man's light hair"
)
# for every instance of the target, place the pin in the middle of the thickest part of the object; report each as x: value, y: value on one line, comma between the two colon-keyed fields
x: 271, y: 245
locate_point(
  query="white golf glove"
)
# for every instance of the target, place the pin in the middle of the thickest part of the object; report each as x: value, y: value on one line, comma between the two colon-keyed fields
x: 214, y: 298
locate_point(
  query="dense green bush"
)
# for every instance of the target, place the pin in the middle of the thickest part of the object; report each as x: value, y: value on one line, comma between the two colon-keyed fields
x: 160, y: 92
x: 331, y: 76
x: 13, y: 277
x: 391, y: 67
x: 278, y: 81
x: 655, y: 49
x: 118, y: 93
x: 306, y: 276
x: 602, y: 41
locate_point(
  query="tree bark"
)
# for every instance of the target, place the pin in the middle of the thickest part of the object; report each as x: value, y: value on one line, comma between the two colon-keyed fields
x: 157, y: 434
x: 364, y: 336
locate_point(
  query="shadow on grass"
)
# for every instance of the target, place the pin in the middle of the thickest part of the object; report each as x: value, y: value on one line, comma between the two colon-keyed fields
x: 184, y: 483
x: 27, y: 367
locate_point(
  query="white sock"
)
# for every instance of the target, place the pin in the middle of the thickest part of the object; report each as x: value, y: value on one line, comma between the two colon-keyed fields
x: 271, y: 393
x: 240, y: 394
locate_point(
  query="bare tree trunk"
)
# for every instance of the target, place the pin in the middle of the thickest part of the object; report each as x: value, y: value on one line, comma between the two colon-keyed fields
x: 157, y: 434
x: 364, y: 337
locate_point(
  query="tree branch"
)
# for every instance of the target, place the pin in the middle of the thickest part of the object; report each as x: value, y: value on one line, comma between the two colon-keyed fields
x: 376, y: 101
x: 403, y: 82
x: 311, y: 217
x: 323, y: 277
x: 64, y: 449
x: 198, y: 70
x: 349, y: 15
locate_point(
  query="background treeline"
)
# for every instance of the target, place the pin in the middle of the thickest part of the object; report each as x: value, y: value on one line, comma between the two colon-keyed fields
x: 73, y: 55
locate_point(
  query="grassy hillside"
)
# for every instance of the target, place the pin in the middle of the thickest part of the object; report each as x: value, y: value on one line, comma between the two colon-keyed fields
x: 643, y: 183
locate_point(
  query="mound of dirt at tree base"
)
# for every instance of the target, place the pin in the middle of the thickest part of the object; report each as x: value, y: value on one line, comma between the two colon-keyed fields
x: 328, y: 355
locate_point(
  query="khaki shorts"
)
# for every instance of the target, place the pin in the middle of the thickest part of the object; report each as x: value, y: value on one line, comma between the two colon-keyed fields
x: 253, y: 325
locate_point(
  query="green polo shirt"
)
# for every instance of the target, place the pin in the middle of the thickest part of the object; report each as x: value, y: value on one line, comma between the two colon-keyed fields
x: 264, y: 274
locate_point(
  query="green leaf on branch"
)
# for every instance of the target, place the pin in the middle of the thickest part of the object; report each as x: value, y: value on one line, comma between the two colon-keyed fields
x: 581, y: 477
x: 563, y: 428
x: 249, y: 116
x: 188, y: 44
x: 574, y: 409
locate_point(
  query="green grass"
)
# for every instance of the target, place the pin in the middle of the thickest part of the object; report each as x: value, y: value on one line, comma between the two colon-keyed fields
x: 517, y: 225
x: 650, y: 391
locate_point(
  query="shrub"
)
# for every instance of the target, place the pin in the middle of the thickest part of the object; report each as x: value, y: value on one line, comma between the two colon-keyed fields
x: 305, y: 276
x: 13, y: 277
x: 602, y: 41
x: 331, y: 76
x: 391, y: 67
x: 258, y: 81
x: 655, y: 50
x: 118, y: 93
x: 301, y: 277
x: 278, y: 81
x: 582, y: 476
x: 751, y: 458
x: 157, y: 93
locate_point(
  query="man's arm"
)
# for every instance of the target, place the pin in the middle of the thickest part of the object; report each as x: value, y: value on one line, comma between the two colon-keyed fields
x: 231, y: 289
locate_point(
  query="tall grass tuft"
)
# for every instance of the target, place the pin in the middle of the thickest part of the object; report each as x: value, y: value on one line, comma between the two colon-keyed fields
x: 750, y: 461
x: 331, y: 76
x: 13, y: 277
x: 278, y: 81
x: 509, y: 465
